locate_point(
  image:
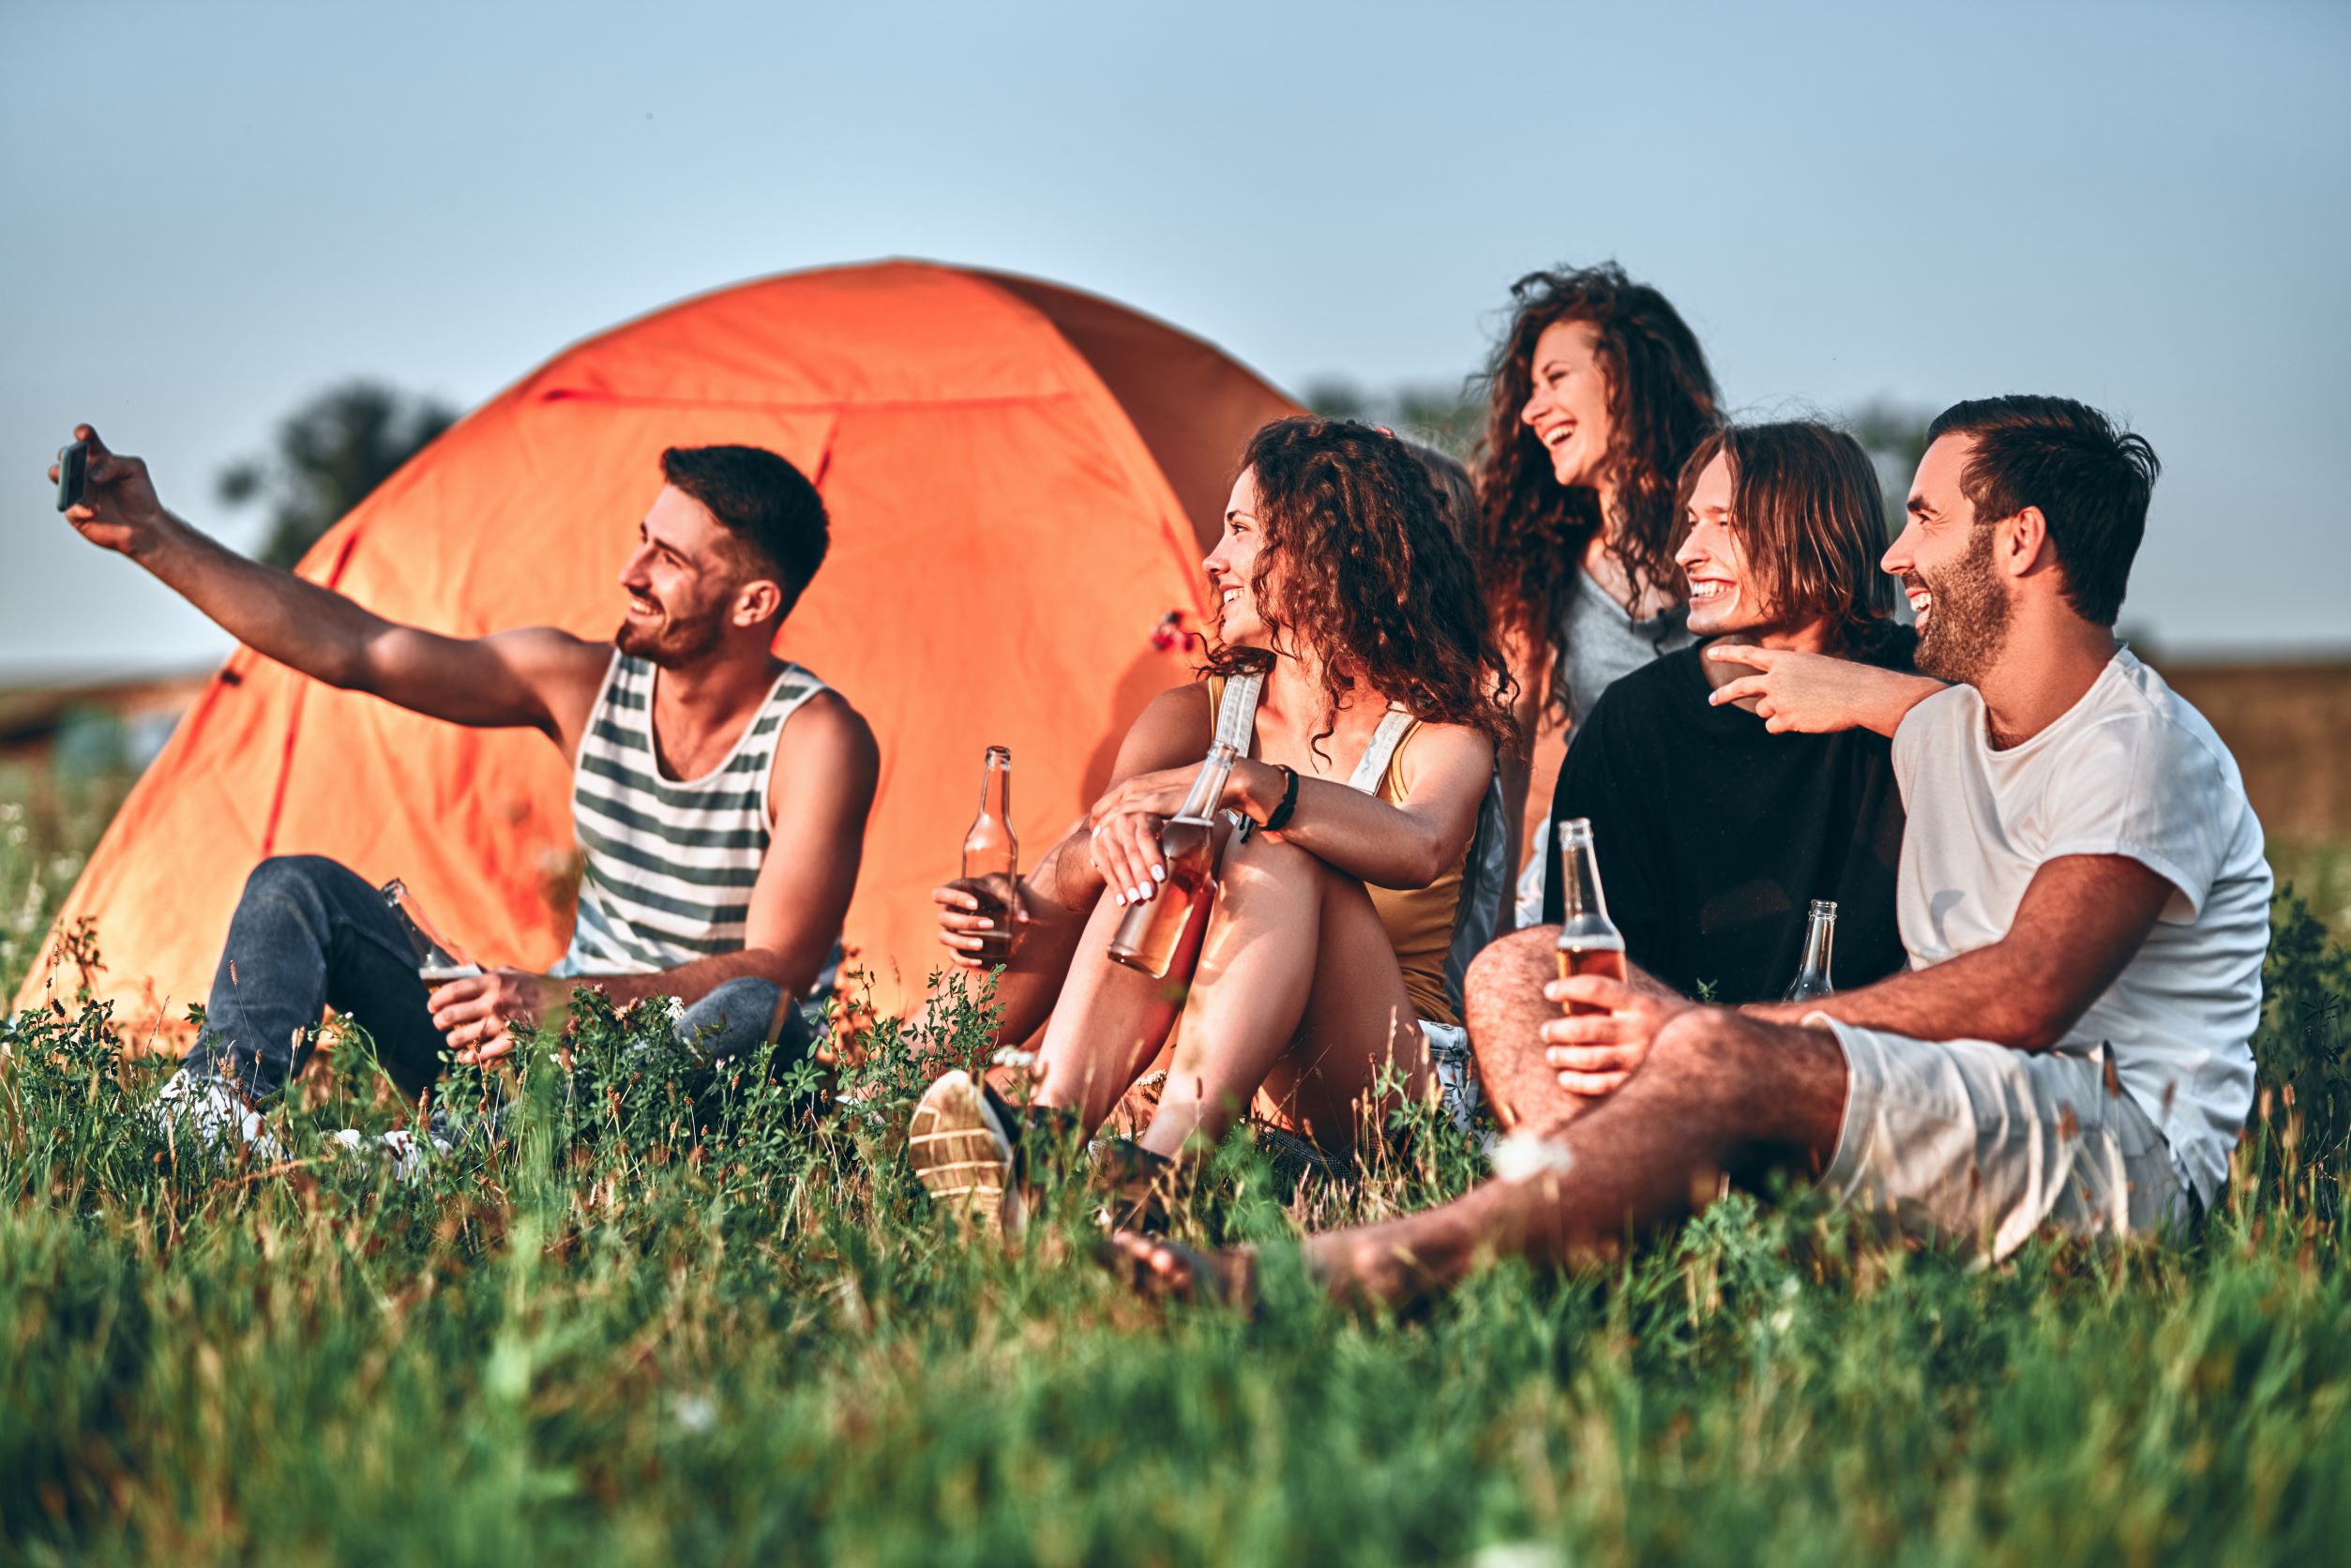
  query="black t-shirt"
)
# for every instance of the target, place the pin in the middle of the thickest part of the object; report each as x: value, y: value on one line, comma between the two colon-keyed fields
x: 1715, y: 836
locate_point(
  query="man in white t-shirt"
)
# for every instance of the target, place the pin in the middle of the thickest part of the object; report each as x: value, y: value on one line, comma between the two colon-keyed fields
x: 2082, y: 894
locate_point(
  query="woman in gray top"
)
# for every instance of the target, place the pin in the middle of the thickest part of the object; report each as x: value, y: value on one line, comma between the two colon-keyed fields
x: 1599, y: 393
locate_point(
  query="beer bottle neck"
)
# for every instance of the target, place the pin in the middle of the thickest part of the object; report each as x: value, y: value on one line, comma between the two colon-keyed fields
x: 1208, y: 785
x: 1820, y: 939
x: 1581, y: 897
x: 996, y: 785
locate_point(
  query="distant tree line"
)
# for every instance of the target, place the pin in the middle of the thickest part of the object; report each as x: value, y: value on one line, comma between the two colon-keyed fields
x: 326, y: 457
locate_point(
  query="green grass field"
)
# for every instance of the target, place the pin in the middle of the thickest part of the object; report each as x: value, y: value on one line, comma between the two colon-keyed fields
x: 656, y: 1328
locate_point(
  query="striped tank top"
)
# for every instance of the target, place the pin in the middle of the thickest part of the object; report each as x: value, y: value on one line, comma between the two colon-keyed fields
x: 669, y: 865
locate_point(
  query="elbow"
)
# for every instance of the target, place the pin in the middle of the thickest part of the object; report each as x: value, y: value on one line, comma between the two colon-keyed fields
x: 2029, y: 1025
x: 2036, y: 1035
x: 350, y: 670
x: 1423, y: 864
x: 792, y: 974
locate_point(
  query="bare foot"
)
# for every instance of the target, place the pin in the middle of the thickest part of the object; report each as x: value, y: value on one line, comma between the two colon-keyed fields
x: 1170, y: 1270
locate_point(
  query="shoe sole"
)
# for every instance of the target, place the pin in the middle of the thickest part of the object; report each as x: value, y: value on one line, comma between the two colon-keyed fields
x: 962, y: 1160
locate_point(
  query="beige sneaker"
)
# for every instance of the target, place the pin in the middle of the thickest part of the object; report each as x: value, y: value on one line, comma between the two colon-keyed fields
x: 962, y: 1154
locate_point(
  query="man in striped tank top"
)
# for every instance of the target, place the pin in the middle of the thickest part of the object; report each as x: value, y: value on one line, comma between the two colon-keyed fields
x: 720, y: 793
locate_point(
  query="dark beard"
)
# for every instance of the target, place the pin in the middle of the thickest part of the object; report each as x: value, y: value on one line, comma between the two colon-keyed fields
x: 674, y: 645
x: 1967, y: 625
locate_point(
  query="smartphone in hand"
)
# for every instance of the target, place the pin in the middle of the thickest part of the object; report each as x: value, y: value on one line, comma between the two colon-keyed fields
x: 73, y: 469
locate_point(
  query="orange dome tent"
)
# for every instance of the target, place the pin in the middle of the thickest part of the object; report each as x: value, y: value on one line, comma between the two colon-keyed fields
x: 1021, y: 479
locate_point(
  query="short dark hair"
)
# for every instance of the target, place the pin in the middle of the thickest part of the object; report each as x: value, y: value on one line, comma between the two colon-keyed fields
x: 1811, y: 521
x: 2089, y: 479
x: 769, y: 506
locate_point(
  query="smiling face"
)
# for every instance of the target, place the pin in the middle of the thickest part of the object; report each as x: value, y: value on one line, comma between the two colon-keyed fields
x: 1944, y: 560
x: 1232, y: 566
x: 1567, y: 409
x: 1724, y: 596
x: 683, y: 582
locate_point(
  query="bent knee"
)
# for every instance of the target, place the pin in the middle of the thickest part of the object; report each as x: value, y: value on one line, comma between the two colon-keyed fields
x: 1508, y: 959
x: 281, y: 873
x: 1691, y: 1038
x: 1259, y: 861
x: 1721, y: 1043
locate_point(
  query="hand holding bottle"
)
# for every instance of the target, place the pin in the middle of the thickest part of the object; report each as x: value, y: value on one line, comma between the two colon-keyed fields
x: 990, y: 888
x: 968, y: 919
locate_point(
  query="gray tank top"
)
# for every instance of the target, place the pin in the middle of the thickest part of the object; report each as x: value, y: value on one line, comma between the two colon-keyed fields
x: 1602, y: 644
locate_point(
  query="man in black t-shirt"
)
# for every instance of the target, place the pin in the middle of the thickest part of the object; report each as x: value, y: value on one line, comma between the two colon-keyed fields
x: 1714, y: 830
x: 1715, y: 835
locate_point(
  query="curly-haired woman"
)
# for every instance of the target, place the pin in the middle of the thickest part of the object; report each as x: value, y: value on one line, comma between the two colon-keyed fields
x: 1355, y: 667
x: 1598, y: 393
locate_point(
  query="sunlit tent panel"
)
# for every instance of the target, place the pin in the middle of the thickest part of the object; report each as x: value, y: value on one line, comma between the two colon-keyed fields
x: 1020, y: 479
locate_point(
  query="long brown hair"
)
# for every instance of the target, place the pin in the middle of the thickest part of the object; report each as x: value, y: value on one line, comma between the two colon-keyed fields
x: 1662, y: 401
x: 1812, y: 523
x: 1377, y: 582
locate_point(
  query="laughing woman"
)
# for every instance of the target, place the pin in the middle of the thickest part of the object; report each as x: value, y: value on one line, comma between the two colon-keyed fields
x: 1598, y: 393
x: 1355, y: 670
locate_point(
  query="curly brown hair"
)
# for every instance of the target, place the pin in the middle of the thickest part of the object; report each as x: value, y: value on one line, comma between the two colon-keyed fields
x: 1662, y: 402
x: 1378, y: 585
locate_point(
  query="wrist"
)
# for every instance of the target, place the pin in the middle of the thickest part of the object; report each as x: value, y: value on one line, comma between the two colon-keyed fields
x: 164, y: 545
x: 1255, y: 789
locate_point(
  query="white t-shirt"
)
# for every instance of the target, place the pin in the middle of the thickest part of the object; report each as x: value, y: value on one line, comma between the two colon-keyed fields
x: 2129, y: 770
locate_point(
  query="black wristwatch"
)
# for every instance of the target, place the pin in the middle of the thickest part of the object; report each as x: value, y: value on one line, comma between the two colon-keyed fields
x: 1279, y: 816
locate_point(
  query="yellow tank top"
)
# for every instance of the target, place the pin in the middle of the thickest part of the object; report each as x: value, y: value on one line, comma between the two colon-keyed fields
x: 1419, y: 921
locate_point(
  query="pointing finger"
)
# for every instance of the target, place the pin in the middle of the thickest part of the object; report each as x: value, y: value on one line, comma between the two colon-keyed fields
x: 1739, y: 690
x: 1744, y: 652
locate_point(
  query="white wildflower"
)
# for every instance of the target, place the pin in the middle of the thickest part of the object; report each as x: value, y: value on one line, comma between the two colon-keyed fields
x: 1524, y: 1155
x: 1519, y: 1554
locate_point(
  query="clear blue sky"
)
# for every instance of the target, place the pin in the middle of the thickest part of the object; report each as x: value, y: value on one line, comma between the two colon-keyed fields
x: 214, y: 210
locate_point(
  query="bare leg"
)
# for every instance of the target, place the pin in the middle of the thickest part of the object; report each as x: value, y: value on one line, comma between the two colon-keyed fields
x: 1111, y: 1021
x: 1298, y: 995
x: 1505, y: 1007
x: 1503, y: 997
x: 1719, y: 1094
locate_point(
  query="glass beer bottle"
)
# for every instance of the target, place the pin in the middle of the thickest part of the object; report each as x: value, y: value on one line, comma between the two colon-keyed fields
x: 439, y: 961
x: 1148, y: 938
x: 991, y: 859
x: 1820, y: 942
x: 1589, y: 942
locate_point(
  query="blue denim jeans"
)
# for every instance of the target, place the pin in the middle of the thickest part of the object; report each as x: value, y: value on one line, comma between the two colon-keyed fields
x: 309, y: 934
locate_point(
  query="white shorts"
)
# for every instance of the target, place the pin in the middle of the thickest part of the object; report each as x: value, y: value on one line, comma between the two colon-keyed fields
x: 1962, y: 1139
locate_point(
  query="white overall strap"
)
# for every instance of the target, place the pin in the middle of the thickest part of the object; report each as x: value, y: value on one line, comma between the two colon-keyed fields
x: 1381, y: 751
x: 1237, y: 715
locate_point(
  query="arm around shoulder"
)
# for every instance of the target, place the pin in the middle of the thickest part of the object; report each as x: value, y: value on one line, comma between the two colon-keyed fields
x: 1818, y: 694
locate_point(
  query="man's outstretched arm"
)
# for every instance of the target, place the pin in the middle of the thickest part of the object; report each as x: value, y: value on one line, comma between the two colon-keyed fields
x: 2080, y: 921
x: 530, y: 678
